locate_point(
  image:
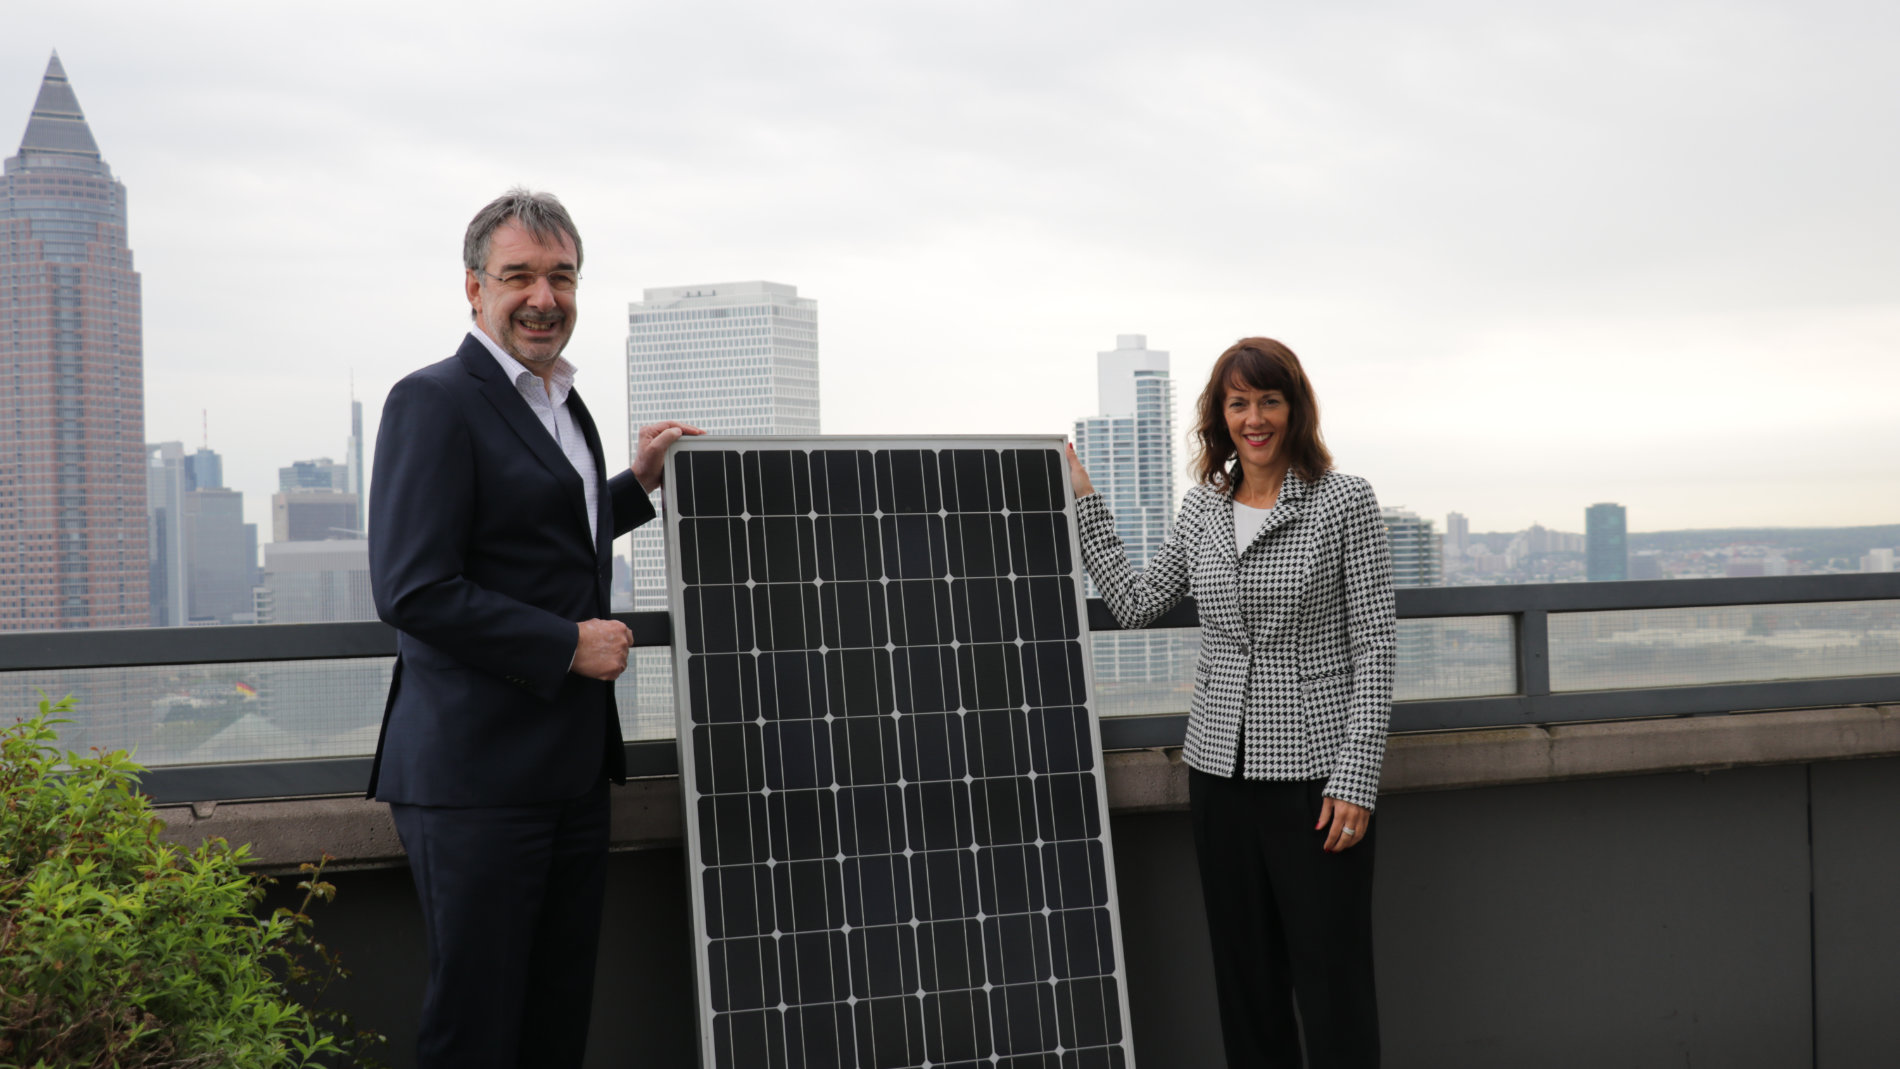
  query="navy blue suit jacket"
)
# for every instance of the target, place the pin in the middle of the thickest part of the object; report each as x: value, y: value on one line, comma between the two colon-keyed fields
x: 479, y: 555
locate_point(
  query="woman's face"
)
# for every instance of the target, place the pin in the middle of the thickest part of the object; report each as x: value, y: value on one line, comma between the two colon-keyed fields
x: 1256, y: 419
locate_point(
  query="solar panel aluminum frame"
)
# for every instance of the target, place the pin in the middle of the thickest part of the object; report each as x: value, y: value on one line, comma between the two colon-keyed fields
x: 683, y: 704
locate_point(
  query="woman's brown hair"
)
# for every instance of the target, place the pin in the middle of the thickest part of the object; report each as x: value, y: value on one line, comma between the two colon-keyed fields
x: 1259, y: 364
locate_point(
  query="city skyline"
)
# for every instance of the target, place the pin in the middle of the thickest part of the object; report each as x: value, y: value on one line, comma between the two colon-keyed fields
x: 1496, y: 341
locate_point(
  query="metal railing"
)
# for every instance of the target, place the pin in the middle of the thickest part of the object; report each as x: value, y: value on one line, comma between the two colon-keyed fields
x: 1528, y: 608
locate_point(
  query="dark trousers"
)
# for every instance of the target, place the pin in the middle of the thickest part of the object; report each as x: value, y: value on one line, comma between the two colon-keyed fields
x: 511, y: 899
x: 1285, y: 918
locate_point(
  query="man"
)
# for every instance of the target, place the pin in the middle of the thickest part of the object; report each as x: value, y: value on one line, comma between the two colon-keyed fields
x: 490, y: 554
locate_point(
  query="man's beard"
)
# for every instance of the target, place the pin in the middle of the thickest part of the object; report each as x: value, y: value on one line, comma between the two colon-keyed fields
x: 512, y: 343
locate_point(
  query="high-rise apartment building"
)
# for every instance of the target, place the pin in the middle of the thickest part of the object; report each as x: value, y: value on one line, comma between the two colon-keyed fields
x: 1457, y: 533
x: 73, y: 469
x: 1128, y: 450
x: 1415, y: 548
x: 165, y: 488
x: 730, y: 358
x: 1606, y: 543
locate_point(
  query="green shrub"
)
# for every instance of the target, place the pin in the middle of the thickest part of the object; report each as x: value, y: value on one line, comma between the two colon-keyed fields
x: 120, y: 950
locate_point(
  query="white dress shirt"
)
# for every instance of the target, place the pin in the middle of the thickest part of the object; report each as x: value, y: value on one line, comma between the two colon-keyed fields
x: 549, y: 403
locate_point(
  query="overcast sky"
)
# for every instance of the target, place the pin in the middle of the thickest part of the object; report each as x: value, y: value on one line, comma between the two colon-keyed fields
x: 1534, y: 254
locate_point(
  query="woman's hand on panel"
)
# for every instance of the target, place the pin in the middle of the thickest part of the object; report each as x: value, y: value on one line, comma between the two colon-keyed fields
x: 1077, y: 476
x: 1345, y: 824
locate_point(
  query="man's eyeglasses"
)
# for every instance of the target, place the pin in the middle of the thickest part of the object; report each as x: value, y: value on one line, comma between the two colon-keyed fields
x: 558, y: 281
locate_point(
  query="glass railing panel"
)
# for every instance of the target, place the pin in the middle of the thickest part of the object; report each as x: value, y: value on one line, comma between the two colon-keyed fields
x: 290, y: 710
x: 215, y: 713
x: 1733, y: 644
x: 1152, y: 672
x: 1456, y: 657
x: 1142, y: 673
x: 644, y: 693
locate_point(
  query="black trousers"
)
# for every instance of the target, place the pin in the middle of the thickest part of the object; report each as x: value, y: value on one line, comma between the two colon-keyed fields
x: 511, y: 900
x: 1285, y: 919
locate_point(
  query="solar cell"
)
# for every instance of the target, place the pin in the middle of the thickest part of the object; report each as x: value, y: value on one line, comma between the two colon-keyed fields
x: 895, y: 812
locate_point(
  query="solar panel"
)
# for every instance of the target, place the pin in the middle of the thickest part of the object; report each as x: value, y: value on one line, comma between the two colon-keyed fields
x: 895, y: 815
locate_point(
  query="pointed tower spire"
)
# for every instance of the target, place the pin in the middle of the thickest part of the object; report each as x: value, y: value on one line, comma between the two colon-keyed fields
x: 58, y: 127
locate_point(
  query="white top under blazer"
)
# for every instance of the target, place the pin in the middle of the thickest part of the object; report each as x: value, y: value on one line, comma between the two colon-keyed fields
x: 1299, y: 632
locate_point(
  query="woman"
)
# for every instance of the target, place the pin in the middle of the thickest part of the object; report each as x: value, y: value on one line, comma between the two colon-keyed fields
x: 1287, y: 561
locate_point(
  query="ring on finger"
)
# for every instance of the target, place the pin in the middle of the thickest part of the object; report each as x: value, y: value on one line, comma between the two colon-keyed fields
x: 1350, y: 831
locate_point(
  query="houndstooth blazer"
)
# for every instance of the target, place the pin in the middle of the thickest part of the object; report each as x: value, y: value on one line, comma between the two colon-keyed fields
x: 1298, y: 628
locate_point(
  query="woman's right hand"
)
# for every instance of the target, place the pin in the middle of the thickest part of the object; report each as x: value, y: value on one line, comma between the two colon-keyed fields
x: 1078, y: 477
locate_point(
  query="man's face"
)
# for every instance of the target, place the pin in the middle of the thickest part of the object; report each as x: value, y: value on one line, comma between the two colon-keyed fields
x: 524, y: 297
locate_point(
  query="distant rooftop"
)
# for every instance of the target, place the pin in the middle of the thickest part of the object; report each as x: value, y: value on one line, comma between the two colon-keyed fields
x: 756, y: 288
x: 57, y: 126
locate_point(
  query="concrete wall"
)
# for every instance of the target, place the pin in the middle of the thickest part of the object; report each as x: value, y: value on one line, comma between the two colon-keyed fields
x: 1657, y: 920
x: 1856, y: 859
x: 1594, y: 907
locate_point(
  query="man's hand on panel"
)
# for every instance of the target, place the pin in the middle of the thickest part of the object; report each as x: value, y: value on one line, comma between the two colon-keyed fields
x: 649, y: 454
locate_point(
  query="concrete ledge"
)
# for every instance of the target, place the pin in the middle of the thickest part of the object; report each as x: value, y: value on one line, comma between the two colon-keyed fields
x: 360, y: 835
x: 646, y: 813
x: 357, y: 833
x: 1454, y: 760
x: 1146, y: 781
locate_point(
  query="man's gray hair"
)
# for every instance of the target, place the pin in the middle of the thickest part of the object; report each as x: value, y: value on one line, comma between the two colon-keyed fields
x: 540, y: 214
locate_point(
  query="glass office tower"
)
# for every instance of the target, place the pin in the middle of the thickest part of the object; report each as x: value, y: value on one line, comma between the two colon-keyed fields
x: 1606, y: 542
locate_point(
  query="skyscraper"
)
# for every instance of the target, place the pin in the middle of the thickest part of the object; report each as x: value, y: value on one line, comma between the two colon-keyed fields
x: 316, y: 582
x: 204, y: 468
x: 220, y: 548
x: 1415, y: 547
x: 165, y: 486
x: 1457, y: 538
x: 320, y: 474
x: 73, y: 524
x: 730, y: 358
x: 1457, y: 532
x: 313, y: 516
x: 221, y: 551
x: 353, y: 461
x: 1606, y: 543
x: 1128, y: 450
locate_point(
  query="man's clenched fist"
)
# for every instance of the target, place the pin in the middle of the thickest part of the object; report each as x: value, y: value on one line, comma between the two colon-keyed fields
x: 602, y: 653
